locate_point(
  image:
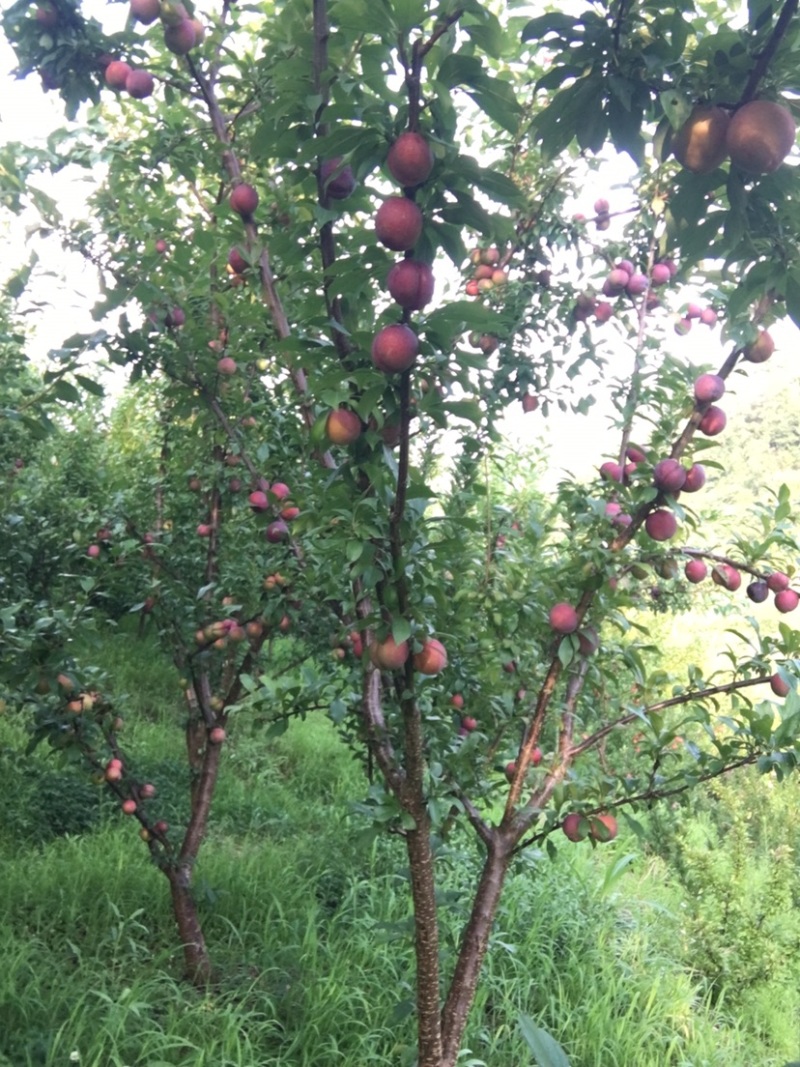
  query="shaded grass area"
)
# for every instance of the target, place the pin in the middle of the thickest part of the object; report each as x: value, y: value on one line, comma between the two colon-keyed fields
x: 309, y: 927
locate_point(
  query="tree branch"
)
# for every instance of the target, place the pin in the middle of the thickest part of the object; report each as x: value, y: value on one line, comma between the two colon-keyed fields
x: 770, y: 48
x: 671, y: 702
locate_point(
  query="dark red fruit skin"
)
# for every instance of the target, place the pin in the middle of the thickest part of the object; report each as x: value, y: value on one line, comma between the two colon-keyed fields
x: 669, y: 476
x: 139, y: 84
x: 237, y: 261
x: 661, y: 525
x: 708, y: 388
x: 787, y: 600
x: 777, y: 581
x: 695, y: 571
x: 398, y: 223
x: 394, y: 349
x: 726, y: 576
x: 757, y: 592
x: 563, y: 618
x: 244, y: 200
x: 713, y: 422
x: 411, y: 283
x: 341, y: 185
x: 695, y: 478
x: 410, y: 159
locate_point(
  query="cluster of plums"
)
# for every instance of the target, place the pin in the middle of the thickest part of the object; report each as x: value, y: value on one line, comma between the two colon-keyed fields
x: 398, y: 226
x: 410, y: 282
x: 487, y: 273
x: 391, y: 655
x: 181, y: 34
x: 756, y: 137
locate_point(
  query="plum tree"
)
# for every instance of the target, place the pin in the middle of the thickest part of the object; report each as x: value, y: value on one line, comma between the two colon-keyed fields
x: 408, y: 533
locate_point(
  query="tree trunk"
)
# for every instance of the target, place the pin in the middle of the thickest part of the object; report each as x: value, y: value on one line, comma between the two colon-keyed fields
x: 474, y: 943
x: 426, y: 944
x: 204, y: 759
x: 195, y: 952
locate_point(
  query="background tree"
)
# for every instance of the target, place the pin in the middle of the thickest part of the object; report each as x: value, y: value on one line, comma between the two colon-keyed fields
x: 243, y: 212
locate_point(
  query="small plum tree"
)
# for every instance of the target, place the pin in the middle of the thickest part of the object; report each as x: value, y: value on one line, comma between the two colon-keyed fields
x: 404, y: 540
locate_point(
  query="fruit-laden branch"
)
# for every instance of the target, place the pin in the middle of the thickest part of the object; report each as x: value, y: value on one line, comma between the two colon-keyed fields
x: 527, y: 815
x: 671, y: 702
x: 269, y: 290
x: 690, y: 428
x: 715, y: 557
x: 647, y: 795
x: 533, y: 733
x: 664, y: 794
x: 678, y: 448
x: 770, y: 48
x: 548, y: 687
x: 377, y: 736
x: 525, y: 755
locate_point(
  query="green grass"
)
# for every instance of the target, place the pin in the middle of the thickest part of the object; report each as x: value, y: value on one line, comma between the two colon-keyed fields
x: 308, y: 924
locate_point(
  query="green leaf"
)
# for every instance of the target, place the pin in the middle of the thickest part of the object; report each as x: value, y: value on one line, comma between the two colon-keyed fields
x: 366, y: 17
x: 408, y: 14
x: 95, y: 388
x: 793, y: 297
x: 492, y: 182
x: 401, y: 630
x: 67, y: 392
x: 15, y: 286
x: 492, y: 95
x: 465, y: 314
x: 459, y: 69
x: 496, y: 98
x: 557, y: 124
x: 490, y: 37
x: 564, y: 26
x: 345, y: 139
x: 545, y: 1048
x: 591, y: 125
x: 677, y: 107
x: 566, y: 653
x: 354, y: 550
